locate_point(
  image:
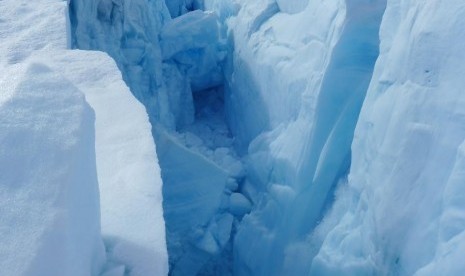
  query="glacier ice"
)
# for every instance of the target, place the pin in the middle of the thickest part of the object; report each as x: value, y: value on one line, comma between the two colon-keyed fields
x: 401, y: 215
x: 292, y: 98
x: 299, y: 137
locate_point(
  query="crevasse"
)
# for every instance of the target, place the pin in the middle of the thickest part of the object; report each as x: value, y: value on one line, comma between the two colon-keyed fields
x: 234, y: 128
x: 173, y: 66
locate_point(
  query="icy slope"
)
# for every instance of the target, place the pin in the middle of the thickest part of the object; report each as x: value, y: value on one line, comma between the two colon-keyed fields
x: 403, y: 211
x: 51, y: 191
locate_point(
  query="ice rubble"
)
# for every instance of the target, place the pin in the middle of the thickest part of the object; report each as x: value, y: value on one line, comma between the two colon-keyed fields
x: 52, y: 156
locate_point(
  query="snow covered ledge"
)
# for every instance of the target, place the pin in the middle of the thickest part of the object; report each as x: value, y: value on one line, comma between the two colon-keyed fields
x: 128, y: 172
x: 48, y: 189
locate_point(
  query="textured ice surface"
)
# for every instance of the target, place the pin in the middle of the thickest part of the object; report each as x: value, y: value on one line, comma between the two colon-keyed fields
x: 292, y: 101
x: 399, y: 213
x: 403, y: 211
x: 192, y: 42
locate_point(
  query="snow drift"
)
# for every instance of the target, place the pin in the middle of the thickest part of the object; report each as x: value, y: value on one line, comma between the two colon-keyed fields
x: 56, y: 146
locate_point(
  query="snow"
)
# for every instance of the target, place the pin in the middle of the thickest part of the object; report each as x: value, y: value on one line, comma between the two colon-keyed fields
x: 55, y: 149
x: 128, y: 172
x: 49, y: 193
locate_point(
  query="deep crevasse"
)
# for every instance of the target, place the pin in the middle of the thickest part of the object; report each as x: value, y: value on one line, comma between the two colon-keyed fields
x: 200, y: 169
x: 297, y: 157
x: 292, y: 97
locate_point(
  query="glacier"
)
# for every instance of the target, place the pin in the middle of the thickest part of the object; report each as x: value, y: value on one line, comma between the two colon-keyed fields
x: 232, y: 137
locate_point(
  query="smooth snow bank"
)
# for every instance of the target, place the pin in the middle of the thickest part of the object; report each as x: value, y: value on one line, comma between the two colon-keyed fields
x: 50, y: 219
x: 133, y: 227
x: 403, y: 212
x: 48, y: 186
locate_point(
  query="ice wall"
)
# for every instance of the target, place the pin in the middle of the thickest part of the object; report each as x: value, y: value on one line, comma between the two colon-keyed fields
x: 128, y: 31
x: 293, y: 99
x: 402, y: 212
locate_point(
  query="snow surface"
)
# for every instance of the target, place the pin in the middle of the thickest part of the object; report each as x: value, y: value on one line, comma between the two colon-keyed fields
x: 50, y: 220
x: 52, y: 156
x: 49, y: 195
x: 128, y: 172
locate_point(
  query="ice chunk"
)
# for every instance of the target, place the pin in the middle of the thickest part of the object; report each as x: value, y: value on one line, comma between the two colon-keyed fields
x: 192, y: 40
x: 292, y: 6
x: 194, y: 30
x: 193, y: 198
x: 239, y: 205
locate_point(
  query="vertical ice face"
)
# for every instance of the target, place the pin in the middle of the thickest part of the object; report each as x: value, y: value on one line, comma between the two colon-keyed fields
x: 128, y: 31
x: 402, y: 213
x: 293, y: 99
